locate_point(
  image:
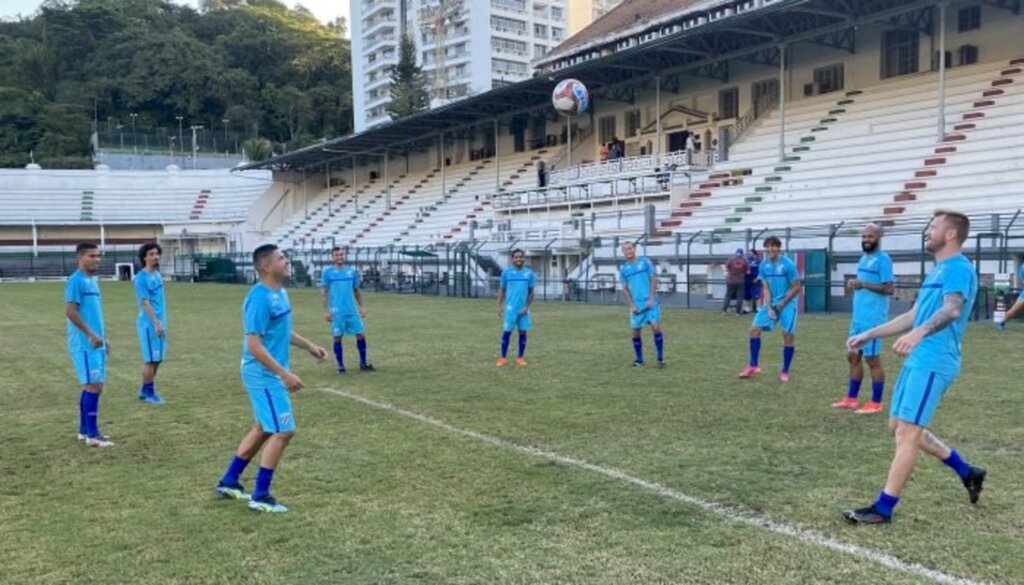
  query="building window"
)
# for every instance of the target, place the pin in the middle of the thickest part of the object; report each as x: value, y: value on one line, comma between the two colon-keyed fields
x: 729, y: 103
x: 556, y: 13
x: 506, y: 67
x: 829, y: 79
x: 540, y: 31
x: 633, y: 123
x: 502, y: 24
x: 501, y: 45
x: 606, y: 129
x: 969, y: 18
x: 900, y: 53
x: 556, y: 34
x: 539, y: 50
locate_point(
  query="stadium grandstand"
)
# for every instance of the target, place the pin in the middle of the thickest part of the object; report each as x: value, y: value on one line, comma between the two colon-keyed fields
x: 731, y: 120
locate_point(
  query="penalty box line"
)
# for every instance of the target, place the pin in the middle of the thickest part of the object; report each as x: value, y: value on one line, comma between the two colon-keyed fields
x: 804, y: 535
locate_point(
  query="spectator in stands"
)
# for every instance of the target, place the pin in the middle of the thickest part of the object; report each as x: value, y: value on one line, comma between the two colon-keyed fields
x: 735, y: 274
x: 691, y: 147
x: 542, y: 175
x: 604, y: 152
x: 752, y: 286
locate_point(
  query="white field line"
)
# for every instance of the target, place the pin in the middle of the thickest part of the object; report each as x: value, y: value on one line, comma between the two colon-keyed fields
x: 804, y: 535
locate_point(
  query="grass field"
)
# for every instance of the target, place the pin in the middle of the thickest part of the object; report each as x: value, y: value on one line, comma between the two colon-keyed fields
x: 378, y: 497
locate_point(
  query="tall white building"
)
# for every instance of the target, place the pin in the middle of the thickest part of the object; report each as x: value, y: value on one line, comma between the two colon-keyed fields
x: 464, y: 46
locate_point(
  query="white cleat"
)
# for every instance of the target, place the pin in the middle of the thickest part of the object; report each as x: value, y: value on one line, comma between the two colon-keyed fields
x: 99, y: 441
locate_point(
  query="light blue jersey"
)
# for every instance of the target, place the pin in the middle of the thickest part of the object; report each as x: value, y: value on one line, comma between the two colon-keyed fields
x: 779, y: 276
x: 268, y: 313
x: 940, y: 352
x: 341, y: 285
x: 149, y: 286
x: 84, y: 291
x: 1021, y: 296
x: 517, y: 285
x: 637, y: 276
x: 871, y: 308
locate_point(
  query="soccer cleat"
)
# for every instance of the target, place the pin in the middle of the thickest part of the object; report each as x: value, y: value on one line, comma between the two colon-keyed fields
x: 266, y: 504
x: 868, y: 515
x: 154, y: 398
x: 638, y: 364
x: 233, y: 492
x: 975, y: 477
x: 341, y: 370
x: 367, y: 368
x: 846, y: 402
x: 750, y: 371
x: 502, y: 362
x: 661, y: 364
x: 783, y: 376
x: 520, y: 362
x: 870, y: 408
x: 1001, y: 326
x: 100, y: 441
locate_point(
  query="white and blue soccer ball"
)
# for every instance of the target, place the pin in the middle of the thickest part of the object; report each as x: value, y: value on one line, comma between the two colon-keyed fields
x: 570, y: 97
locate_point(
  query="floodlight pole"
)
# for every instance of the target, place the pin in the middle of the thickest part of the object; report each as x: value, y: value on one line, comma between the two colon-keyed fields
x: 568, y: 135
x: 387, y: 182
x: 305, y: 193
x: 782, y: 103
x: 355, y: 196
x: 327, y: 167
x: 657, y: 117
x: 941, y: 8
x: 444, y: 184
x: 497, y: 159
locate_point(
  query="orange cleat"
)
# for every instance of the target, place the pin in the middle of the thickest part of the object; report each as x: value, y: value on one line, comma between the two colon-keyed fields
x: 870, y: 408
x: 750, y: 371
x: 783, y: 376
x: 501, y: 363
x: 846, y: 402
x: 520, y: 362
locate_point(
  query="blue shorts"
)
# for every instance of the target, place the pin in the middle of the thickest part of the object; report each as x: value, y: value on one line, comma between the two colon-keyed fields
x: 650, y: 316
x: 752, y: 290
x: 917, y: 394
x: 90, y: 365
x: 513, y: 320
x: 872, y: 348
x: 348, y: 324
x: 787, y: 319
x: 154, y: 348
x: 271, y: 403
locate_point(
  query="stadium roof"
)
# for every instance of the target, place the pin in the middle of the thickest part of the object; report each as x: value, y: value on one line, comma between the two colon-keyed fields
x: 690, y: 38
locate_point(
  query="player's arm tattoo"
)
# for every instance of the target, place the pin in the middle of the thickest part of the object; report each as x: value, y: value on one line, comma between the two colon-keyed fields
x: 952, y: 305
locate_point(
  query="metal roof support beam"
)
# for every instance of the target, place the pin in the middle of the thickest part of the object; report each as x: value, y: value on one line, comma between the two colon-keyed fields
x: 844, y: 40
x: 718, y: 71
x: 1013, y: 6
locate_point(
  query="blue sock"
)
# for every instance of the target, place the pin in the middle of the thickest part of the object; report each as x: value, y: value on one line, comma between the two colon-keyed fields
x: 339, y: 355
x: 885, y: 503
x: 361, y: 346
x: 234, y: 471
x: 755, y: 350
x: 91, y: 405
x: 83, y: 427
x: 854, y: 388
x: 263, y: 478
x: 522, y: 343
x: 638, y: 349
x: 506, y: 336
x: 876, y: 390
x: 147, y: 389
x: 957, y: 464
x: 787, y: 357
x: 659, y: 345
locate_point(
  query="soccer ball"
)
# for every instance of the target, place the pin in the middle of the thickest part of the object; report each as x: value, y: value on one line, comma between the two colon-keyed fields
x: 570, y: 97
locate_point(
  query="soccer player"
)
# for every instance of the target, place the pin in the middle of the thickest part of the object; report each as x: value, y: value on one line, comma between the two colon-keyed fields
x: 640, y: 287
x: 514, y: 299
x: 343, y: 307
x: 932, y: 331
x: 267, y: 322
x: 1017, y: 306
x: 87, y: 342
x: 872, y: 288
x: 151, y: 323
x: 781, y: 284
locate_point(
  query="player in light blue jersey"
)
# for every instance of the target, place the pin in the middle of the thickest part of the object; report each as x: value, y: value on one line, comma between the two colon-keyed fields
x: 781, y: 283
x: 932, y: 333
x: 267, y: 323
x: 87, y: 341
x: 1018, y: 306
x: 151, y: 323
x: 640, y: 288
x: 514, y: 299
x: 871, y: 290
x: 343, y: 307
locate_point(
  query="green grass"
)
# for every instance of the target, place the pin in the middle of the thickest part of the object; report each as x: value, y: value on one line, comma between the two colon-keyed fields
x: 380, y: 498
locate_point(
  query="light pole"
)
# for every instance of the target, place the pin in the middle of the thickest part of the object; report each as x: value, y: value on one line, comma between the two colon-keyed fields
x: 170, y: 147
x: 135, y: 135
x: 225, y: 120
x: 181, y: 138
x: 195, y: 144
x: 120, y: 129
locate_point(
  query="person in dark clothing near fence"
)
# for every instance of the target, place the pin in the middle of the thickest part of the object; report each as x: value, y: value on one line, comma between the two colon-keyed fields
x: 735, y: 274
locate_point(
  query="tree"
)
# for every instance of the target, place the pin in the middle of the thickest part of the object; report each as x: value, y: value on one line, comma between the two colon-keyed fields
x: 408, y: 83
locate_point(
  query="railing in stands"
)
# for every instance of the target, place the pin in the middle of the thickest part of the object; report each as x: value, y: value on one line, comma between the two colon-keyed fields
x: 760, y: 108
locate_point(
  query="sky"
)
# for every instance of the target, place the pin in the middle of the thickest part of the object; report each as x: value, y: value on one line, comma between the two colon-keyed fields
x: 325, y: 10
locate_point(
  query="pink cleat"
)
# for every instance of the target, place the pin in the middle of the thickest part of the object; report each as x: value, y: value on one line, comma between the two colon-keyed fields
x: 750, y: 371
x: 783, y: 376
